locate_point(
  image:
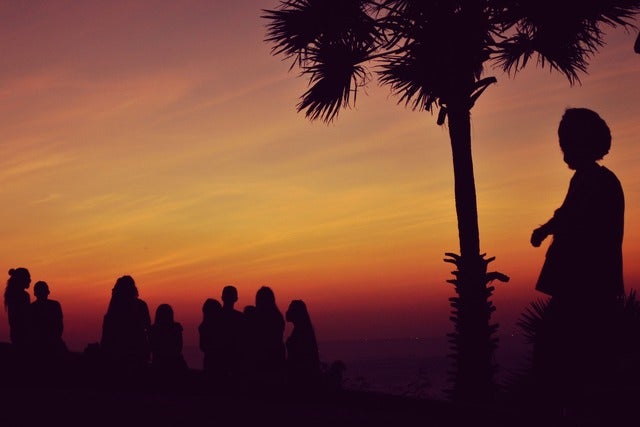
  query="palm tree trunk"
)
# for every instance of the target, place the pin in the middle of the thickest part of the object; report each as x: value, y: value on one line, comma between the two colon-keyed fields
x: 472, y: 343
x: 465, y: 187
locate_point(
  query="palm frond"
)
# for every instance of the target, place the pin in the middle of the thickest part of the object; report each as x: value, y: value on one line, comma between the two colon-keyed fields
x: 330, y: 41
x: 533, y: 319
x: 336, y: 74
x: 293, y: 27
x: 297, y: 25
x: 562, y: 38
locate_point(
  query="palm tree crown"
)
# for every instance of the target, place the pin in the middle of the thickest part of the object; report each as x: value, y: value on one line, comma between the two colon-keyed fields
x: 428, y: 51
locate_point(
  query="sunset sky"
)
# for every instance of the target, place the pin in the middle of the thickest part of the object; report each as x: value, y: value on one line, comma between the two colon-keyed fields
x: 160, y: 139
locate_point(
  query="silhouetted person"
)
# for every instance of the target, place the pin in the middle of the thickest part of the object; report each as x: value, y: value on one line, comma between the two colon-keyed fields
x: 125, y: 328
x: 636, y: 46
x: 165, y: 339
x: 303, y: 359
x: 582, y: 271
x: 585, y: 258
x: 232, y: 336
x: 268, y: 323
x: 16, y: 303
x: 210, y: 334
x: 46, y: 323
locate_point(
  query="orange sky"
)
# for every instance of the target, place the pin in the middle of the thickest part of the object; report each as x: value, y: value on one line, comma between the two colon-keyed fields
x: 160, y: 139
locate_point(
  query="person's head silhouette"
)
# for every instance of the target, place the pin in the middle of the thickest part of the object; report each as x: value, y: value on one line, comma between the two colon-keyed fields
x: 265, y: 298
x: 210, y: 308
x: 41, y: 290
x: 164, y: 315
x: 229, y: 296
x: 125, y: 288
x: 584, y: 137
x: 297, y: 313
x: 19, y: 280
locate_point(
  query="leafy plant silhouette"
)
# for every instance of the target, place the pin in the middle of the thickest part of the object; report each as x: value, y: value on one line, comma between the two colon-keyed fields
x: 538, y: 323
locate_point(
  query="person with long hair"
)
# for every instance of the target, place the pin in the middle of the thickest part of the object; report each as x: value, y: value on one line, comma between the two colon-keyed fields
x: 303, y: 358
x: 125, y: 327
x: 269, y: 323
x: 165, y: 338
x: 209, y: 331
x: 16, y: 303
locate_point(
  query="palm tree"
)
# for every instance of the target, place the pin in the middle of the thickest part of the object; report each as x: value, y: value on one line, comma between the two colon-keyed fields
x: 432, y: 54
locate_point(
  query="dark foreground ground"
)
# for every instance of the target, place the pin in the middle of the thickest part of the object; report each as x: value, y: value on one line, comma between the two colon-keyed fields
x: 85, y: 395
x: 92, y: 407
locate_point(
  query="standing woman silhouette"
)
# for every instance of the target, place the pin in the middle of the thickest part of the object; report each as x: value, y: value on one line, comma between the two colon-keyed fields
x: 17, y: 303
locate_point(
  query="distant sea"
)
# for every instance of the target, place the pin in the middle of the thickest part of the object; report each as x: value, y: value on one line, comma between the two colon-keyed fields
x: 403, y: 366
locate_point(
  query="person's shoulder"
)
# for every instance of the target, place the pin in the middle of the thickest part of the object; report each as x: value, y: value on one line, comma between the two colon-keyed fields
x: 605, y: 171
x: 608, y: 175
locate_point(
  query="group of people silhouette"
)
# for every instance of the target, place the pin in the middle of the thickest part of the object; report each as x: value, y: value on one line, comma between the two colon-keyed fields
x: 249, y: 344
x: 238, y: 347
x: 34, y: 327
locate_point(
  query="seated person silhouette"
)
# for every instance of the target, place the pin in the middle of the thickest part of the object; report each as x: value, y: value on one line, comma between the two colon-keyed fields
x: 125, y: 328
x: 232, y: 336
x: 17, y: 302
x: 582, y: 271
x: 165, y: 339
x: 48, y: 352
x: 303, y: 359
x: 269, y: 326
x: 210, y: 339
x: 251, y: 343
x: 46, y: 323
